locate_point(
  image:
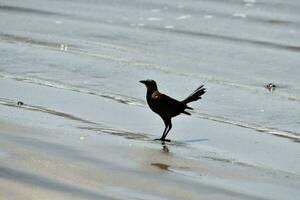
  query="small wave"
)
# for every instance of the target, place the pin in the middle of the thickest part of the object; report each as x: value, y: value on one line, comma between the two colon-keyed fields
x: 116, y: 97
x: 230, y: 161
x: 100, y: 127
x: 73, y: 49
x: 137, y: 102
x: 112, y: 46
x: 270, y: 130
x: 8, y: 8
x: 11, y: 103
x: 132, y: 135
x: 116, y: 132
x: 27, y: 40
x: 265, y: 44
x: 260, y: 166
x: 216, y: 80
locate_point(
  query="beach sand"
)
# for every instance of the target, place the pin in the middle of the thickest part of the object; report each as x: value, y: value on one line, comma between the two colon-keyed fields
x: 74, y: 122
x: 49, y: 155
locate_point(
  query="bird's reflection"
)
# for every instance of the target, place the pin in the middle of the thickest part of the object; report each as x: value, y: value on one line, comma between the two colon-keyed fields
x: 165, y: 147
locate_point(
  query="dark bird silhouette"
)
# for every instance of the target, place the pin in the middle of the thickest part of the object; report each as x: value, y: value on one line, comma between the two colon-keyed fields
x: 167, y: 107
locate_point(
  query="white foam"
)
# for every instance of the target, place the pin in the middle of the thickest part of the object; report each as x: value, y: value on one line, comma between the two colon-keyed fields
x: 185, y: 172
x: 208, y: 16
x: 250, y: 1
x: 169, y: 27
x: 153, y: 19
x: 248, y: 4
x: 183, y: 17
x: 82, y: 138
x: 155, y: 10
x: 64, y: 47
x: 240, y: 15
x: 58, y: 22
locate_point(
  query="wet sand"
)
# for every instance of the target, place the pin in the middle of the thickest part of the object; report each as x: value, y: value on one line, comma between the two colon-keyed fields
x: 84, y: 130
x: 53, y: 155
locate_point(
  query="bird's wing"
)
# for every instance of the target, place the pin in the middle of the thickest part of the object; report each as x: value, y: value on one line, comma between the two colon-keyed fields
x: 167, y: 104
x: 164, y: 99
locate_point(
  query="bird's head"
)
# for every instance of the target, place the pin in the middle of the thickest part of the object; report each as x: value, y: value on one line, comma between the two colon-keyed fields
x: 150, y: 84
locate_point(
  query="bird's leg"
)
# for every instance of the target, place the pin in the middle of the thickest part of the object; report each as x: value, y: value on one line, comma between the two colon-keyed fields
x: 166, y: 128
x: 169, y: 125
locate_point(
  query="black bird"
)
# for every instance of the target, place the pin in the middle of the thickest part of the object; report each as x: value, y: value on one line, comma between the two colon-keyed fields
x: 167, y: 107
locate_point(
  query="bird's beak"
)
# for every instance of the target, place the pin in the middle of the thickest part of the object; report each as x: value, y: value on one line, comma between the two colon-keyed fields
x: 143, y: 81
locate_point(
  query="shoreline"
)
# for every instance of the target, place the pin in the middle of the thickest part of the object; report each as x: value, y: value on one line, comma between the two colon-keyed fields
x: 50, y: 154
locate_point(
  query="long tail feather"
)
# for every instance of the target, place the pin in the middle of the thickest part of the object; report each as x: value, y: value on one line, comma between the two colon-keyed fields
x: 195, y: 95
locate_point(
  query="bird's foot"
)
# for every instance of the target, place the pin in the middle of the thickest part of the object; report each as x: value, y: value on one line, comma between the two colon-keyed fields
x: 164, y: 140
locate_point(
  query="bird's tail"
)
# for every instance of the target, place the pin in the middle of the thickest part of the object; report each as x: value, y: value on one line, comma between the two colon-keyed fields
x: 195, y: 95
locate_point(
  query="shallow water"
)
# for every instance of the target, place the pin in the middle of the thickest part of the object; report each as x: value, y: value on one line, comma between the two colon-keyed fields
x: 85, y: 60
x: 98, y: 47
